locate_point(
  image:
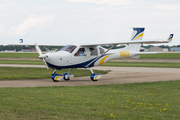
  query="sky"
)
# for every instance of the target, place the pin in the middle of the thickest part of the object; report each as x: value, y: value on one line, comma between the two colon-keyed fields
x: 87, y: 21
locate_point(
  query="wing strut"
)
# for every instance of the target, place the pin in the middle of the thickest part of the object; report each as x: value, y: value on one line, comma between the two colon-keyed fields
x: 99, y: 56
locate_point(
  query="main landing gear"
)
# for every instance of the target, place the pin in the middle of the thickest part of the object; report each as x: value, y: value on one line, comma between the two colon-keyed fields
x: 94, y: 76
x: 67, y: 76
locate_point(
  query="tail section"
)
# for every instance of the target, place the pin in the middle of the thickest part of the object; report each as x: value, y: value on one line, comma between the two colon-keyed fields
x: 137, y: 34
x: 170, y: 37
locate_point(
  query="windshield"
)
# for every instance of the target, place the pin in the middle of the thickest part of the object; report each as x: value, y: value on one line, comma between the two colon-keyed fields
x: 69, y: 48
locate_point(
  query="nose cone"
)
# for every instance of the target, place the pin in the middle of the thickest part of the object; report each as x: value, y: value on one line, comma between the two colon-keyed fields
x: 57, y: 58
x: 43, y: 56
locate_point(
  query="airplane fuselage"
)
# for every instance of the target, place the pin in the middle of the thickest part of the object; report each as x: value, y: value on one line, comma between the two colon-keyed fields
x: 92, y: 57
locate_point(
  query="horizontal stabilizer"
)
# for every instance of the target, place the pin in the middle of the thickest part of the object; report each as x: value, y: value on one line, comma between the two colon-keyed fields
x: 136, y: 56
x: 22, y: 44
x: 141, y: 53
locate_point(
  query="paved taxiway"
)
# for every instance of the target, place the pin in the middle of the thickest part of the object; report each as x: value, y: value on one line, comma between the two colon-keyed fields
x: 118, y: 75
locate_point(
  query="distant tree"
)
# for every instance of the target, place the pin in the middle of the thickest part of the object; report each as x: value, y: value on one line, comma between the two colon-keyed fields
x: 148, y: 46
x: 115, y: 47
x: 164, y: 46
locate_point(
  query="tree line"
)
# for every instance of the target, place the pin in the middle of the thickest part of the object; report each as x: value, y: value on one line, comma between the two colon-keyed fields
x: 19, y: 48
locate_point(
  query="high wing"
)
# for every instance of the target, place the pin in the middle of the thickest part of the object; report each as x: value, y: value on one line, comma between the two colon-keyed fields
x: 35, y: 43
x: 133, y: 42
x: 113, y: 43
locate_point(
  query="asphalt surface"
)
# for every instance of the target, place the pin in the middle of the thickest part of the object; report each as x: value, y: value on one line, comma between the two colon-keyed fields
x: 118, y: 75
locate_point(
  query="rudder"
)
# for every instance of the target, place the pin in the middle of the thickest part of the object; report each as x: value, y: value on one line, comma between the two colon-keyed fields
x: 137, y: 34
x: 170, y: 37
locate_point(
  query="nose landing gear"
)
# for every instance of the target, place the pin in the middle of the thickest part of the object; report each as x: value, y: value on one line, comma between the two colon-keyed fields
x: 56, y: 77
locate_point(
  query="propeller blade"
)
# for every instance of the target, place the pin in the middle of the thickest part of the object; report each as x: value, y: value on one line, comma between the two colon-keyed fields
x: 45, y: 64
x: 38, y: 49
x: 42, y: 56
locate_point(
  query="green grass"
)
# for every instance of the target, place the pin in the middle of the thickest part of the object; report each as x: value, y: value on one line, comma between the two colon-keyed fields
x: 161, y: 56
x: 147, y: 56
x: 19, y: 55
x: 142, y: 64
x: 12, y: 73
x: 25, y: 62
x: 114, y: 63
x: 140, y: 101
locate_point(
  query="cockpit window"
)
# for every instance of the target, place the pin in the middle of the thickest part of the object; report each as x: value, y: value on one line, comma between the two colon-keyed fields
x: 69, y: 48
x: 80, y: 52
x: 93, y: 51
x: 101, y: 50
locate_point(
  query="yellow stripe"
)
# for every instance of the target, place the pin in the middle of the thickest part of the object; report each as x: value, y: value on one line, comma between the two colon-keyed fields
x: 102, y: 61
x: 138, y: 36
x: 95, y: 78
x: 124, y: 53
x: 57, y: 77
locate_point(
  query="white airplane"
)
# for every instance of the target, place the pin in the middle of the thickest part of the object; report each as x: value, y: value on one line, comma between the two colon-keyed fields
x: 90, y: 55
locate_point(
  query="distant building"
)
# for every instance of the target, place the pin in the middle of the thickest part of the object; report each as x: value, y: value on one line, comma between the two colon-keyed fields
x: 28, y: 50
x: 155, y: 49
x: 165, y: 50
x: 175, y: 49
x: 9, y: 51
x: 142, y: 49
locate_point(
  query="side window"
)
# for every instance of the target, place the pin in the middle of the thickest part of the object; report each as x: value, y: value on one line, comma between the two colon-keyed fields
x: 93, y: 51
x: 101, y: 50
x: 80, y: 52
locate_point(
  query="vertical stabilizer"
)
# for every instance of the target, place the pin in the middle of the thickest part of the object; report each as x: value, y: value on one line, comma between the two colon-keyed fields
x: 170, y: 37
x: 137, y: 34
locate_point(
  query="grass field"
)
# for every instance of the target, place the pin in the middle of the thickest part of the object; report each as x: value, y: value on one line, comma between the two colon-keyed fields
x: 140, y: 101
x: 116, y: 64
x: 19, y: 55
x: 11, y: 73
x: 142, y: 64
x: 147, y: 56
x: 161, y: 56
x: 25, y: 62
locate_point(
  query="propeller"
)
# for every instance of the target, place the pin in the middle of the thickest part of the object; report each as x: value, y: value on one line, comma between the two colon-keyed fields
x: 45, y: 64
x: 42, y: 56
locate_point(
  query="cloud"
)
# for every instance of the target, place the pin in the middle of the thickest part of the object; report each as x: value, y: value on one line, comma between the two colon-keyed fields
x: 111, y: 2
x: 3, y: 6
x: 33, y: 22
x: 2, y: 28
x: 167, y: 6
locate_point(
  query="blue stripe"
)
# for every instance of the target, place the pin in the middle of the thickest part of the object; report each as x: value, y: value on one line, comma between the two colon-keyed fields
x: 81, y: 65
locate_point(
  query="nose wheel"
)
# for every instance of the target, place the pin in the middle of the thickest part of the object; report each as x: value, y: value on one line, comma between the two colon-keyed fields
x: 56, y: 77
x: 66, y: 76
